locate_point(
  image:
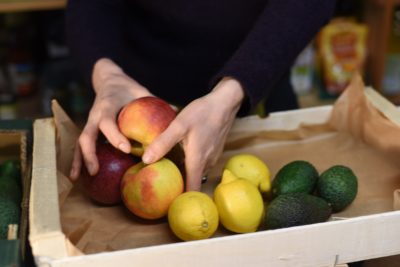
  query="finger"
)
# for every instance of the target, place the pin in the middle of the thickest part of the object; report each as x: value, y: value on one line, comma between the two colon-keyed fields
x: 113, y: 135
x: 194, y: 171
x: 87, y: 142
x: 207, y: 168
x: 213, y: 159
x: 163, y: 143
x: 76, y: 163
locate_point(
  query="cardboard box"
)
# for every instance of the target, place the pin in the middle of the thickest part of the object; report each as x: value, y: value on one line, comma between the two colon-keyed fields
x: 371, y: 233
x: 14, y: 144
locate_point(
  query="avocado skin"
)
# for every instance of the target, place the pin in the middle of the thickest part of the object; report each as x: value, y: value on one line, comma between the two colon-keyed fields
x: 338, y: 185
x: 295, y: 177
x: 294, y: 209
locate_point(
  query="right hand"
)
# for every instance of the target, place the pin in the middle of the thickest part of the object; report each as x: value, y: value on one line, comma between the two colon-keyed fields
x: 114, y: 89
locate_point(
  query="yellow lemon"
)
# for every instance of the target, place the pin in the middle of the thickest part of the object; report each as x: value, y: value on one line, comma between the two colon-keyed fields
x: 239, y: 203
x: 252, y: 168
x: 193, y: 216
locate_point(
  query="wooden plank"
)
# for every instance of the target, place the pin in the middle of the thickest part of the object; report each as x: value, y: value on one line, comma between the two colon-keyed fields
x: 30, y: 5
x: 323, y: 244
x: 45, y: 235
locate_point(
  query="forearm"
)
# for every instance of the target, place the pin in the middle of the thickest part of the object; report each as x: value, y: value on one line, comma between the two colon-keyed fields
x: 281, y: 32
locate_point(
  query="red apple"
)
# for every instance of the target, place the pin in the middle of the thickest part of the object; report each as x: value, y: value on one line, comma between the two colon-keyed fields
x: 144, y: 119
x: 148, y: 190
x: 105, y: 186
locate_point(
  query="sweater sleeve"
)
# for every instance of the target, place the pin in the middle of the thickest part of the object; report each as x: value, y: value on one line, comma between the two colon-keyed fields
x: 93, y: 29
x: 281, y: 32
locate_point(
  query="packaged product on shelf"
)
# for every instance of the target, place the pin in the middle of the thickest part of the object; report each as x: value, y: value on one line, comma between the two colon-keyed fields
x: 341, y: 53
x: 302, y: 71
x: 23, y: 78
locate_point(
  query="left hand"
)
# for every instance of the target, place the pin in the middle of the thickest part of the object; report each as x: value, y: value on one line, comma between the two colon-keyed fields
x: 202, y: 128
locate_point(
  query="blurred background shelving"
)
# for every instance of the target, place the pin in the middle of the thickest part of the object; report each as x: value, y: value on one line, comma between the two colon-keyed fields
x: 33, y: 32
x: 35, y: 65
x: 382, y: 20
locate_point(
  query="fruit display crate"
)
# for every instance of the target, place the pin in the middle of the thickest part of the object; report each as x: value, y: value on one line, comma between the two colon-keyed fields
x: 15, y: 141
x: 368, y: 229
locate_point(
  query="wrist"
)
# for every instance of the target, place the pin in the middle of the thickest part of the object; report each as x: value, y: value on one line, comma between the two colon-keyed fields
x: 108, y: 75
x: 103, y: 70
x: 230, y: 91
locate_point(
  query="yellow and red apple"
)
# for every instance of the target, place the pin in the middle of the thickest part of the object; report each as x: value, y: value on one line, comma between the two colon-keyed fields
x: 148, y: 190
x: 143, y: 119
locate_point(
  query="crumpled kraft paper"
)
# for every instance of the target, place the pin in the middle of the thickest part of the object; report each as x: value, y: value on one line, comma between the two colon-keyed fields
x: 358, y: 134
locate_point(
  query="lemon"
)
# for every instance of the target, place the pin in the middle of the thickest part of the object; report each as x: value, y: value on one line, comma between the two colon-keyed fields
x: 193, y: 216
x: 239, y: 203
x: 252, y: 168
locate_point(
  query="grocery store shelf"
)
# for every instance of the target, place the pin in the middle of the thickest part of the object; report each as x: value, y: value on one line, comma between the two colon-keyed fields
x: 30, y: 5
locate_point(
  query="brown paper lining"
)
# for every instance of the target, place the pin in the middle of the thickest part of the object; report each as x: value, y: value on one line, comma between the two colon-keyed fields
x: 357, y: 135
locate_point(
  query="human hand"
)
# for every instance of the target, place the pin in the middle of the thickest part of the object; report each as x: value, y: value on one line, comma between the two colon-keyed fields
x: 114, y: 89
x: 202, y: 128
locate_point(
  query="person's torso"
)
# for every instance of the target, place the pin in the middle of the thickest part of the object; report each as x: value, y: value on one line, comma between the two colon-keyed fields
x: 175, y: 47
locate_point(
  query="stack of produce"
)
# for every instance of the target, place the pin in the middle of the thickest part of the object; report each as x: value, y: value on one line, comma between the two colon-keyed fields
x: 301, y: 196
x: 245, y: 200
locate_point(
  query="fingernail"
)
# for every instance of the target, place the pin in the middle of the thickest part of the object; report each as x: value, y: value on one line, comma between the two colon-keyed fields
x: 124, y: 147
x: 147, y: 158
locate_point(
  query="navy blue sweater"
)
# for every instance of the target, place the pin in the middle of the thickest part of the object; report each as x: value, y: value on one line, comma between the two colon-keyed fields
x: 178, y: 49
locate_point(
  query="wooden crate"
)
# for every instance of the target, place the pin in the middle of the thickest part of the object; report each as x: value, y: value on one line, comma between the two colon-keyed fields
x: 338, y: 241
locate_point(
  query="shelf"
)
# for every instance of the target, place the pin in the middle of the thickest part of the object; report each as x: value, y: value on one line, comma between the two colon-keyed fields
x: 30, y: 5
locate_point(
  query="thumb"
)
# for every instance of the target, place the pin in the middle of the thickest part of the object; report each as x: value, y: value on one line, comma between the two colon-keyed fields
x: 161, y: 145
